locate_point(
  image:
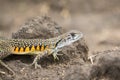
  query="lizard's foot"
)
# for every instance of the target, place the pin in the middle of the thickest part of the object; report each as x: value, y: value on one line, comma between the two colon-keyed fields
x: 55, y: 56
x: 6, y: 66
x: 36, y: 65
x: 2, y: 72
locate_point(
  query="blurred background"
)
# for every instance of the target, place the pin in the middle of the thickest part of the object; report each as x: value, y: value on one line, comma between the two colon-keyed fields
x: 98, y: 20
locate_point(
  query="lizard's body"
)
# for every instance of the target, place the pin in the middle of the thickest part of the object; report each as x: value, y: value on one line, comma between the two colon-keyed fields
x: 26, y: 46
x: 38, y: 47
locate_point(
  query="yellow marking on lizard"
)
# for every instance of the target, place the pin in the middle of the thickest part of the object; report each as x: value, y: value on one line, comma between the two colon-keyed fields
x: 38, y: 48
x: 27, y: 49
x: 42, y: 48
x: 33, y: 48
x: 16, y: 49
x: 21, y: 49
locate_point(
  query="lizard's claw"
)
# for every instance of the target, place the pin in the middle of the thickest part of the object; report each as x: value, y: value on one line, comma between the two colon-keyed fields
x: 36, y: 65
x: 55, y: 56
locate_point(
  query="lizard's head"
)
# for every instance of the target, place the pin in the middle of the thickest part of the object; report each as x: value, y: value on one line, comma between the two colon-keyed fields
x: 69, y: 38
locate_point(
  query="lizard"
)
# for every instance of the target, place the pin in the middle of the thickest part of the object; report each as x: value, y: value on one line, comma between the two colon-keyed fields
x: 37, y: 47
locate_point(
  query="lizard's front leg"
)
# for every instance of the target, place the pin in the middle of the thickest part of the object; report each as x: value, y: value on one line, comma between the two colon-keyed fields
x: 55, y: 53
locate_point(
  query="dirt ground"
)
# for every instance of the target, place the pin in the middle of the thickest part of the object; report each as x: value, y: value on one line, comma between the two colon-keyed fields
x: 98, y: 21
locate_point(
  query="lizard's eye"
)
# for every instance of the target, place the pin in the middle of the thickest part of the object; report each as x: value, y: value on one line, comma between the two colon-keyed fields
x: 72, y: 34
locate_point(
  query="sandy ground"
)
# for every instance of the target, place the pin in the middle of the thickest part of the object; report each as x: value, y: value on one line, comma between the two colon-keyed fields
x: 99, y: 22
